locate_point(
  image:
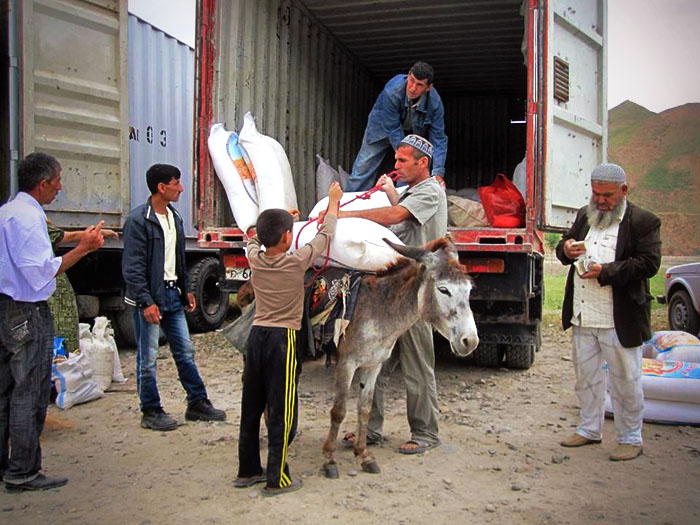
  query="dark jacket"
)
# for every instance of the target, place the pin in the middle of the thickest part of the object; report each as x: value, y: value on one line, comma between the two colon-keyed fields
x: 143, y: 260
x: 637, y: 258
x: 390, y: 109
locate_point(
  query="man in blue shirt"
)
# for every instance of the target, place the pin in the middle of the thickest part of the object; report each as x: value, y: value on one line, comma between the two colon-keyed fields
x: 407, y: 105
x: 28, y: 271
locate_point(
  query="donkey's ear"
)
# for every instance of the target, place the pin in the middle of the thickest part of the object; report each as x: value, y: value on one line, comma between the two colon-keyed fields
x: 413, y: 252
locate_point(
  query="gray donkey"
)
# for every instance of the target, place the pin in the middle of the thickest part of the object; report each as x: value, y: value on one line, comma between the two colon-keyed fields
x: 428, y: 283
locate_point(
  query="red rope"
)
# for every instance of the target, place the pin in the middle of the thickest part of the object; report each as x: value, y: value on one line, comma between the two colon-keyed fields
x: 366, y: 195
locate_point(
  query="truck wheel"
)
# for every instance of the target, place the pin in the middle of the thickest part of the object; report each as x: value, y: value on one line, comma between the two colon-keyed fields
x: 488, y: 355
x: 681, y: 313
x: 520, y: 356
x: 123, y: 324
x: 212, y: 303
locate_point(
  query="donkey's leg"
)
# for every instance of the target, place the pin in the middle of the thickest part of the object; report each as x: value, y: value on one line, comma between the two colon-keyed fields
x: 343, y: 379
x: 364, y: 405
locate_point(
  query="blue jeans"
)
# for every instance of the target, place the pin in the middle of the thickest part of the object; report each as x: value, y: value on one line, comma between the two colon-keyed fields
x: 367, y: 163
x: 26, y: 350
x: 174, y: 326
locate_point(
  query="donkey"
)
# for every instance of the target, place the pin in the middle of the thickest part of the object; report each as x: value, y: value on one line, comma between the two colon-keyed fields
x: 429, y: 284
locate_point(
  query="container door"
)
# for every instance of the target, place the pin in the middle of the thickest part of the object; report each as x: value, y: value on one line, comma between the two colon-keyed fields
x: 575, y: 105
x: 74, y: 103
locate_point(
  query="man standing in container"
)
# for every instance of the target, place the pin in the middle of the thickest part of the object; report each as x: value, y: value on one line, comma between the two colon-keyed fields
x: 28, y: 271
x: 417, y: 216
x: 408, y: 104
x: 153, y: 266
x: 613, y: 247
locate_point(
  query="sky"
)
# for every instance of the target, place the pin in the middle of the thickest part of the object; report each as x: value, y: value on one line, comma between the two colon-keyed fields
x: 652, y: 46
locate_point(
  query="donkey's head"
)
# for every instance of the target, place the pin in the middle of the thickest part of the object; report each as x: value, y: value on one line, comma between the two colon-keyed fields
x: 444, y: 294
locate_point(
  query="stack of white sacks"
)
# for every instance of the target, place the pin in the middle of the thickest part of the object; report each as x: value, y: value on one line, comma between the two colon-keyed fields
x: 256, y: 175
x: 670, y: 379
x: 87, y: 374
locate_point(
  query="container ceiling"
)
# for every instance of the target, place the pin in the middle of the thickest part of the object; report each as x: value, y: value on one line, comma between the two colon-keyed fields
x: 473, y: 45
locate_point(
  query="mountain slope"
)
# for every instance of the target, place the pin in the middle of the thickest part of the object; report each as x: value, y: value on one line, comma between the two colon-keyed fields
x: 661, y: 155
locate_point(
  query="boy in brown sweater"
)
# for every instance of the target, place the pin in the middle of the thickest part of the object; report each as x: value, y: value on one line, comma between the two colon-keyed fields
x: 271, y: 371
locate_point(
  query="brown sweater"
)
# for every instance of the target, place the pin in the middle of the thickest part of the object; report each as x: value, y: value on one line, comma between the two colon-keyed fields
x: 279, y: 281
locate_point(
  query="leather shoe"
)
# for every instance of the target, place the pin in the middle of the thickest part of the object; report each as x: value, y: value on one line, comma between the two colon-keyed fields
x: 625, y: 452
x: 40, y: 482
x: 203, y: 410
x: 158, y: 421
x: 577, y: 440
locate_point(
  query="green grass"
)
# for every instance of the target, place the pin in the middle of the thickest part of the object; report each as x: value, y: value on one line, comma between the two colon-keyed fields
x: 554, y: 290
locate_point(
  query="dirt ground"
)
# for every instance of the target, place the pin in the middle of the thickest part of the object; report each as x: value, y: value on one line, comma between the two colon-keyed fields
x: 500, y: 461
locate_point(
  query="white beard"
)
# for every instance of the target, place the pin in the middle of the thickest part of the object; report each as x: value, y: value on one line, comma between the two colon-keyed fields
x: 600, y: 219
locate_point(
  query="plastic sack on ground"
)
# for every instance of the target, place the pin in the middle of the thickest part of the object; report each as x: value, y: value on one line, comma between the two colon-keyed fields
x: 672, y: 345
x: 236, y: 176
x: 357, y: 244
x: 73, y: 381
x: 503, y: 203
x: 325, y: 176
x: 238, y: 331
x: 103, y: 331
x: 100, y: 353
x: 465, y: 213
x: 671, y: 392
x: 272, y: 170
x: 378, y: 199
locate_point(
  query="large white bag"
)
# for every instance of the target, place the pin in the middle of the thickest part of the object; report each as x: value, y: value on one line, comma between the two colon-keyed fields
x: 357, y: 244
x: 378, y: 199
x: 235, y: 174
x: 272, y: 170
x: 73, y: 381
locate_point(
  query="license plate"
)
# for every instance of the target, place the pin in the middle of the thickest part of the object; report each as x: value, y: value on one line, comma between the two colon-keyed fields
x: 237, y: 274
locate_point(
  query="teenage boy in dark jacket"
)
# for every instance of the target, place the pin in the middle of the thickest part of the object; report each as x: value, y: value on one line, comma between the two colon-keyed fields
x: 153, y: 265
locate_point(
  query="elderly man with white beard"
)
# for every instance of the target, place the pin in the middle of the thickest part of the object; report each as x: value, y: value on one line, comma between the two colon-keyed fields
x: 613, y: 247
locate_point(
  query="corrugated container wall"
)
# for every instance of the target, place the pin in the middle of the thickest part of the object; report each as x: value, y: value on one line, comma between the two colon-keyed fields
x: 161, y: 104
x: 303, y: 87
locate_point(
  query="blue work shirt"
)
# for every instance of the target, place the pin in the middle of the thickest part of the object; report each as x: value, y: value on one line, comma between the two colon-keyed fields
x: 27, y: 263
x: 428, y: 120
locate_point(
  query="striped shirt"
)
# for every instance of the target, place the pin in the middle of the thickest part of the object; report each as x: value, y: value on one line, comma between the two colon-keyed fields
x: 593, y: 303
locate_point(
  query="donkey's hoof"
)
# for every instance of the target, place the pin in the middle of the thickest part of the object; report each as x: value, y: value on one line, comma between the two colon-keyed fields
x: 331, y: 470
x: 371, y: 467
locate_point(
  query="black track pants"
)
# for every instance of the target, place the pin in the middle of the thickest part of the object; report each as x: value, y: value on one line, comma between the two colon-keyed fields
x: 269, y: 379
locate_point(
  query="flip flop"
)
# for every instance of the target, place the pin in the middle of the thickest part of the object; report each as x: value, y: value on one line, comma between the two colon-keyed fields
x: 419, y: 448
x: 242, y: 483
x: 349, y: 440
x: 274, y: 491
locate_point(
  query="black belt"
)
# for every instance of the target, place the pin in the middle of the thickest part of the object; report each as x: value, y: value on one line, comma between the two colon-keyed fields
x: 170, y: 284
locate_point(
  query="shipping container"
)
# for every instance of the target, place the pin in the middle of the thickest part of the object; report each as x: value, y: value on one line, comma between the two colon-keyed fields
x: 108, y: 95
x: 519, y: 80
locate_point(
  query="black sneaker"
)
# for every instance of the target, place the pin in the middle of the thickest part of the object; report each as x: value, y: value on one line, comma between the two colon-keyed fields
x: 158, y: 420
x: 203, y: 410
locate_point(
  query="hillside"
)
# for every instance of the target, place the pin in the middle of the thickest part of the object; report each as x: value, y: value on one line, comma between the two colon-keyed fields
x: 661, y: 155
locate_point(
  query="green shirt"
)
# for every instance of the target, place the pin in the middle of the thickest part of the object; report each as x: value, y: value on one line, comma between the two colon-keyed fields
x: 427, y: 204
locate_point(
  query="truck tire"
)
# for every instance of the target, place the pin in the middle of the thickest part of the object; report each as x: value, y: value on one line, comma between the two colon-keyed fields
x: 212, y: 303
x: 488, y: 355
x: 520, y: 357
x: 123, y: 325
x: 681, y: 313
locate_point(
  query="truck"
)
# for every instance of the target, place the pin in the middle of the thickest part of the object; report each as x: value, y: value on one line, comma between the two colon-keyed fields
x: 521, y: 80
x: 108, y: 95
x: 518, y: 79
